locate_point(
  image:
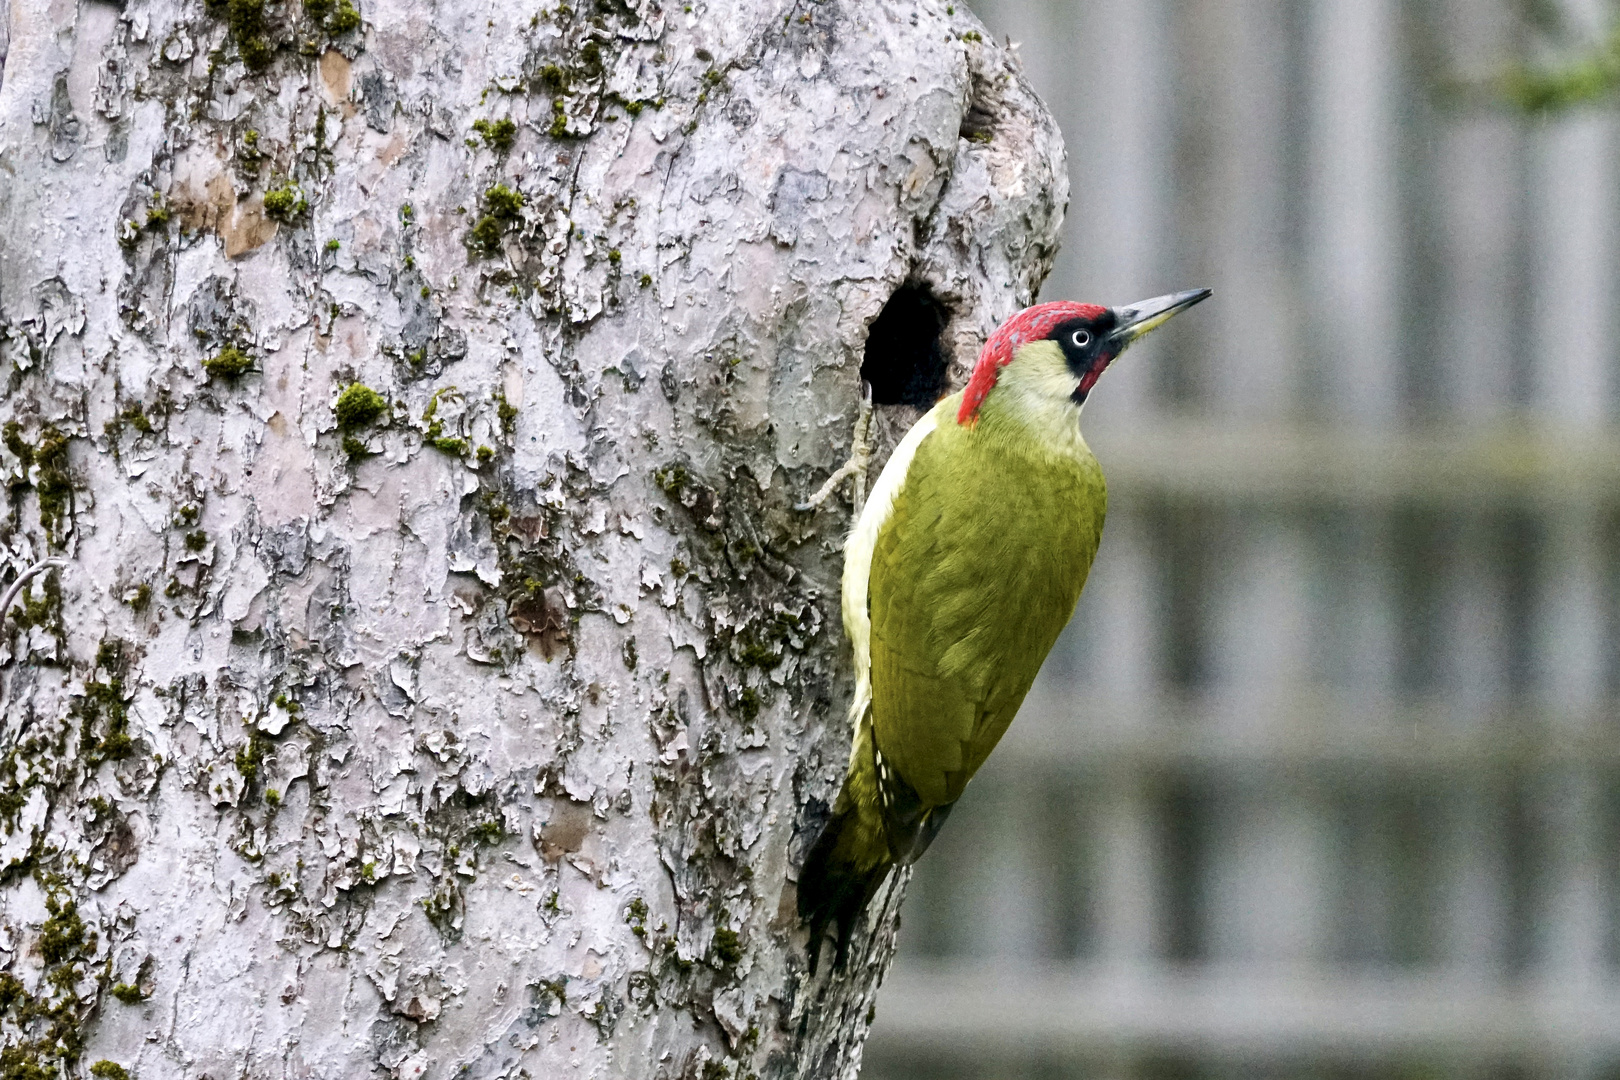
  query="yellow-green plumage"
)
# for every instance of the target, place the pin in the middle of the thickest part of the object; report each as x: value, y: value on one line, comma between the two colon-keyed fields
x: 961, y: 571
x: 973, y: 577
x: 971, y: 573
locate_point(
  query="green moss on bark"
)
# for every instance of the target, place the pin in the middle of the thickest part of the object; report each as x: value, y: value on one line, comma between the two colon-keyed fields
x: 229, y: 363
x: 359, y: 406
x: 345, y: 18
x: 128, y: 993
x: 245, y: 19
x: 46, y: 469
x: 285, y: 203
x: 497, y: 134
x: 502, y: 206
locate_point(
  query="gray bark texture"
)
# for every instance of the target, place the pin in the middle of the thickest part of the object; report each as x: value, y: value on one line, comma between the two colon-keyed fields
x: 437, y: 680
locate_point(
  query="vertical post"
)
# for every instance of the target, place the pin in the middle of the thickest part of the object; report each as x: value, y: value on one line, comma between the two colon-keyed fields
x: 1262, y: 627
x: 1361, y: 651
x: 1573, y: 268
x: 1573, y: 264
x: 1119, y: 609
x: 1129, y: 880
x: 1237, y: 165
x: 1352, y: 257
x: 1475, y: 877
x: 1572, y: 385
x: 1568, y: 647
x: 1007, y: 881
x: 1270, y: 883
x: 1479, y: 168
x: 1122, y: 219
x: 1119, y: 603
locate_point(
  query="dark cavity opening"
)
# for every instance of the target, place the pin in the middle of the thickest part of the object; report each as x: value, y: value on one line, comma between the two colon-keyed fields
x: 979, y: 121
x: 905, y: 361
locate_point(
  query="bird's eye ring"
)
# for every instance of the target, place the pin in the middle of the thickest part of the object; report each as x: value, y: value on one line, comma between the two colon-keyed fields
x: 1081, y: 338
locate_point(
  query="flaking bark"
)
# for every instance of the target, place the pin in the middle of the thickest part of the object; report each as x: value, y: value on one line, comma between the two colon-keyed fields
x: 474, y: 727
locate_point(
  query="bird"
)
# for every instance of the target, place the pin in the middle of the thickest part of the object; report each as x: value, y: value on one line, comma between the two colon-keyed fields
x: 963, y: 565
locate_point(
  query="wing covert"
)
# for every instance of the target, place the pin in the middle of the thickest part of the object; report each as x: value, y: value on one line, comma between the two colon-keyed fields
x: 973, y: 576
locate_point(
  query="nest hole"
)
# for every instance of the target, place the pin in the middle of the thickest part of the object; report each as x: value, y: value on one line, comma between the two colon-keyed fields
x: 979, y: 120
x: 905, y: 359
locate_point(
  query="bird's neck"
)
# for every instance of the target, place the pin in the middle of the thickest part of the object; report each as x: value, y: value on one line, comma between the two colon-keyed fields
x: 1030, y: 409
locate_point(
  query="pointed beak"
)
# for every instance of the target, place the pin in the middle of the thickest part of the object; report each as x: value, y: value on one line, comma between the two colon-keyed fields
x: 1135, y: 320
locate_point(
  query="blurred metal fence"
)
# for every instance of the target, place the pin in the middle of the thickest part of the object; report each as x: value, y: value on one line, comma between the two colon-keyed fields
x: 1322, y: 780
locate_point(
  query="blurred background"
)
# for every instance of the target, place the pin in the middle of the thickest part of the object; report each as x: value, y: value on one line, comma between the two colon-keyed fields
x: 1322, y: 781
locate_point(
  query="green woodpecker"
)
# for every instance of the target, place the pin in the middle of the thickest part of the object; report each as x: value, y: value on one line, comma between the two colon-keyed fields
x: 963, y: 566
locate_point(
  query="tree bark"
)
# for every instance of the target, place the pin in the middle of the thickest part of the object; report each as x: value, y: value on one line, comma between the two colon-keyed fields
x: 470, y: 722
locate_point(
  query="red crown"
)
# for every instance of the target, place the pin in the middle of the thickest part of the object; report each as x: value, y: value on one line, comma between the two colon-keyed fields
x: 1031, y: 324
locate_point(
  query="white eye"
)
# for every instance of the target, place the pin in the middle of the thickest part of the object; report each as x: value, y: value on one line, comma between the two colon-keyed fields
x: 1081, y: 338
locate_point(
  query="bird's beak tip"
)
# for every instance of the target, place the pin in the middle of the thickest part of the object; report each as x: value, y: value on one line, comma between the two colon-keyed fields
x: 1135, y: 320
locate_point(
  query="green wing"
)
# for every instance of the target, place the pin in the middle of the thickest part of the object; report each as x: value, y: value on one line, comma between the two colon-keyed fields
x: 973, y: 576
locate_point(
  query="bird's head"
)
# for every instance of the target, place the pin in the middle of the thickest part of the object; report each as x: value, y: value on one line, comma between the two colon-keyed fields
x: 1050, y: 356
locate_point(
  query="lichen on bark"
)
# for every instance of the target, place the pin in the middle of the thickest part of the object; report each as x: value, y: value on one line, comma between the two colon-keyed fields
x: 442, y: 683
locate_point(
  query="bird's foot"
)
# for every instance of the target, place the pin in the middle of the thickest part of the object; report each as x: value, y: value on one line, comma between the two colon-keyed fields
x: 860, y: 456
x: 23, y: 579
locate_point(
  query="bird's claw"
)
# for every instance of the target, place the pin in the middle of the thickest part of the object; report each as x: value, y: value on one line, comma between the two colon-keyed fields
x: 860, y: 456
x: 23, y: 579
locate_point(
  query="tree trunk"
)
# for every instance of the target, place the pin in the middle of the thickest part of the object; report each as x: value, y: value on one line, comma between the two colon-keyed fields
x: 438, y: 680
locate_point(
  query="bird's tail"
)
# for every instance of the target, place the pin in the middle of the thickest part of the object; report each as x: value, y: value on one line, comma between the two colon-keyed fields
x: 846, y: 864
x: 849, y: 859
